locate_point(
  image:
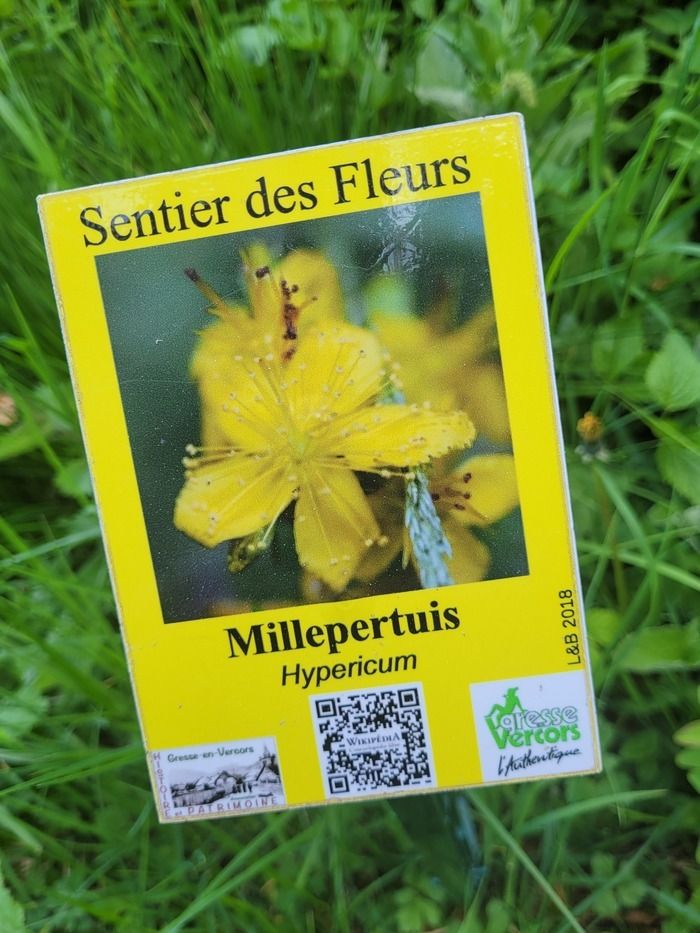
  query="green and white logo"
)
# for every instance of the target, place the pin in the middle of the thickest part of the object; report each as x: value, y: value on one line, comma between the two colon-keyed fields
x: 533, y: 726
x: 511, y: 724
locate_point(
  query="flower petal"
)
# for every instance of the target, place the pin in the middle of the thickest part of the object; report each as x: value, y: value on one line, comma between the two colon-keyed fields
x: 388, y: 506
x: 482, y: 393
x: 232, y: 497
x: 218, y: 366
x: 319, y: 297
x: 470, y: 557
x: 212, y: 433
x: 450, y: 370
x: 424, y: 361
x: 264, y: 292
x: 473, y: 340
x: 220, y: 341
x: 404, y: 336
x: 481, y: 492
x: 333, y: 525
x: 386, y: 436
x: 334, y: 371
x: 243, y: 403
x: 316, y: 289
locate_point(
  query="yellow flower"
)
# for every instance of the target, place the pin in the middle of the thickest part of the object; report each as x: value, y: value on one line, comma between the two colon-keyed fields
x: 480, y: 492
x: 590, y: 428
x: 285, y: 299
x: 298, y: 426
x: 453, y: 368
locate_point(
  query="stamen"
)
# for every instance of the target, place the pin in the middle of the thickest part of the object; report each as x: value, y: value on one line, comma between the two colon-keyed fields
x: 218, y: 305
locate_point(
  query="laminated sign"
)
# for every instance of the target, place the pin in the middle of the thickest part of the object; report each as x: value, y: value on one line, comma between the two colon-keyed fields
x: 317, y: 399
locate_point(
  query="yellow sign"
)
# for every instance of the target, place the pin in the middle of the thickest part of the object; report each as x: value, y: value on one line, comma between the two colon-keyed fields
x: 317, y: 398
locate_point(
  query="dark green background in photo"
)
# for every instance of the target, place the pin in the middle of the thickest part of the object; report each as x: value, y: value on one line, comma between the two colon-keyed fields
x: 154, y: 313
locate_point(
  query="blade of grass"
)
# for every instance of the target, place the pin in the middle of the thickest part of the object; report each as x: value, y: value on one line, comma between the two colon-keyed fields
x: 524, y: 859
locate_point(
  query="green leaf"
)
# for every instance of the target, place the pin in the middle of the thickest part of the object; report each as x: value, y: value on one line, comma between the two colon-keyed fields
x: 616, y: 345
x: 640, y: 747
x: 689, y: 757
x: 680, y: 465
x: 689, y: 734
x: 73, y: 479
x: 603, y: 625
x: 603, y: 863
x: 440, y: 76
x: 20, y: 713
x: 673, y: 376
x: 662, y: 648
x: 671, y: 22
x: 255, y: 43
x: 299, y: 23
x: 605, y: 903
x: 19, y: 440
x: 423, y: 9
x: 666, y: 428
x: 627, y: 63
x: 341, y: 46
x: 11, y: 913
x: 632, y: 892
x: 21, y: 831
x: 555, y: 91
x: 694, y: 778
x: 499, y: 917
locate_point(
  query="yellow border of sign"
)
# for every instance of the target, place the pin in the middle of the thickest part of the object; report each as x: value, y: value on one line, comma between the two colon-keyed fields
x: 185, y: 683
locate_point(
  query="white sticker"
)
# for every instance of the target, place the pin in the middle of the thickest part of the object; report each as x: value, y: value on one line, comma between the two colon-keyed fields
x: 221, y: 778
x: 533, y: 726
x: 373, y: 741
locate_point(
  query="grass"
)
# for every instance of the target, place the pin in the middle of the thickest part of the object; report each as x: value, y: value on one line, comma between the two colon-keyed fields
x: 93, y: 92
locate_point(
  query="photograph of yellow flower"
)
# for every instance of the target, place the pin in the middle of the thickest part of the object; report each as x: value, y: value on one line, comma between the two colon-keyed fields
x: 317, y: 411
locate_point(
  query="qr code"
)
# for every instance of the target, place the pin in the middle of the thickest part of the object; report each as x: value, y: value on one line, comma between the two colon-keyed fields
x: 373, y: 741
